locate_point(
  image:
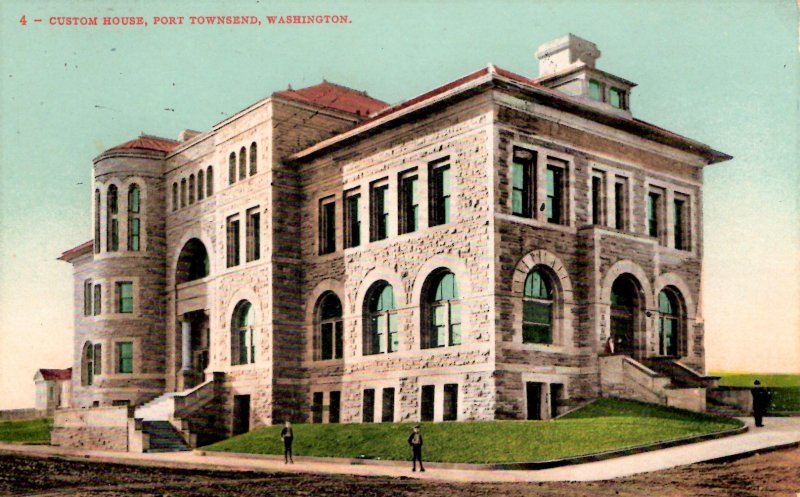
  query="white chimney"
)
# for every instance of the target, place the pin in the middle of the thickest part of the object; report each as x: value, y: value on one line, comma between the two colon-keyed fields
x: 566, y: 53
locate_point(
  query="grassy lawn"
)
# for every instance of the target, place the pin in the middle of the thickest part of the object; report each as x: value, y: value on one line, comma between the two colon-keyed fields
x: 601, y: 426
x: 769, y: 380
x: 785, y: 388
x: 35, y: 431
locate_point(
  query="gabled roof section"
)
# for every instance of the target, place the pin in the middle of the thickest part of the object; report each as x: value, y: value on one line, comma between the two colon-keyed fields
x: 337, y: 97
x: 495, y: 76
x: 56, y: 374
x: 148, y: 142
x: 74, y: 252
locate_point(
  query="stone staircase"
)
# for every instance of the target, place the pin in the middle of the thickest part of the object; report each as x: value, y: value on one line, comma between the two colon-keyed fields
x: 659, y: 381
x: 163, y: 437
x: 179, y: 421
x: 680, y: 376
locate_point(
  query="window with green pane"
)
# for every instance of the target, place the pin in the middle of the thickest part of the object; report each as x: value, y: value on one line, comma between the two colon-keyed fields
x: 537, y: 308
x: 380, y: 212
x: 134, y: 223
x: 125, y: 357
x: 595, y: 90
x: 522, y: 174
x: 330, y: 337
x: 124, y: 297
x: 445, y: 312
x: 244, y: 329
x: 554, y: 200
x: 668, y: 323
x: 616, y: 98
x: 381, y: 337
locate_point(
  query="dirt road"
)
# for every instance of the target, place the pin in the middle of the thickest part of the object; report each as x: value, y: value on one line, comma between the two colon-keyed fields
x: 776, y: 474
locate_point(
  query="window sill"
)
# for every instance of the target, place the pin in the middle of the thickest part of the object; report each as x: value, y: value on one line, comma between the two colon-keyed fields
x: 566, y: 228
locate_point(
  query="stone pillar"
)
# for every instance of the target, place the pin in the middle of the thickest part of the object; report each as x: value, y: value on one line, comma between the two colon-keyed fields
x: 186, y: 342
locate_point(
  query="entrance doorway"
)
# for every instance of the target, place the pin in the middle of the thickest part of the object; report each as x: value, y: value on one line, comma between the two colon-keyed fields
x: 241, y: 414
x: 624, y: 314
x: 533, y: 399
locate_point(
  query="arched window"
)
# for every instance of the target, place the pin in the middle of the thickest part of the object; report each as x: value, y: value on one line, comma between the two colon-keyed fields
x: 183, y: 192
x: 193, y: 263
x: 380, y: 334
x: 174, y: 196
x: 243, y: 339
x: 670, y: 322
x: 134, y: 223
x: 232, y: 168
x: 112, y: 206
x: 329, y: 338
x: 97, y: 221
x: 191, y: 189
x: 243, y: 163
x: 442, y: 325
x: 200, y: 188
x: 253, y: 159
x: 537, y: 308
x: 87, y: 365
x: 209, y: 181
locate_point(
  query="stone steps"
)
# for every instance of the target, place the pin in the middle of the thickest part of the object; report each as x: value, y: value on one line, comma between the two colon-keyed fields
x: 164, y: 437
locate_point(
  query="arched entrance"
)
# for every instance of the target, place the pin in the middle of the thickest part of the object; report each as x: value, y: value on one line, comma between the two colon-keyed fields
x: 626, y: 305
x: 193, y: 262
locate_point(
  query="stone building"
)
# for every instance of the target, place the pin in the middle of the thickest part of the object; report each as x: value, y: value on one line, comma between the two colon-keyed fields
x: 498, y: 247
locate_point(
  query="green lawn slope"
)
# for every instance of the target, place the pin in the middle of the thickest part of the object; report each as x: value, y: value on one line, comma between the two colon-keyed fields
x: 36, y: 431
x: 601, y: 426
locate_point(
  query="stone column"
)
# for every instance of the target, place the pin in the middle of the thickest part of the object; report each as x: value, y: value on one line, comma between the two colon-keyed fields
x: 186, y: 342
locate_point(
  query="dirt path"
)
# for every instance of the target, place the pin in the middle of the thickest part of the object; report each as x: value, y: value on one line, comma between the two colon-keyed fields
x: 776, y: 474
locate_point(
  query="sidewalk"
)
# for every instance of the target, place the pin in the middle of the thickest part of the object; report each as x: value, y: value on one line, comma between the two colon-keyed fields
x: 778, y: 432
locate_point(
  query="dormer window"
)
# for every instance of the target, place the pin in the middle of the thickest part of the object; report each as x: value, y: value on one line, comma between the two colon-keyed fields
x: 595, y: 90
x: 616, y: 98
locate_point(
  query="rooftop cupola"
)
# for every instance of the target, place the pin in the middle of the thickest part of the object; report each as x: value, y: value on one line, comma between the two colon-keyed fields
x: 567, y: 64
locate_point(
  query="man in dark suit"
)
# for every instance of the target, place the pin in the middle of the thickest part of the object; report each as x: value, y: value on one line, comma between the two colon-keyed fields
x: 760, y: 402
x: 288, y: 437
x: 415, y: 441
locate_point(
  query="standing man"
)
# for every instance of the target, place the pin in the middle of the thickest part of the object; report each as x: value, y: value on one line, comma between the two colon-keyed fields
x: 287, y: 436
x: 760, y: 402
x: 415, y: 441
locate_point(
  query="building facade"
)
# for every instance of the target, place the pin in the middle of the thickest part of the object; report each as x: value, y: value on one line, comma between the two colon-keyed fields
x: 471, y: 253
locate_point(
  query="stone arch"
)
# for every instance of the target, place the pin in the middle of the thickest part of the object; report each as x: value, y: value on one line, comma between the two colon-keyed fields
x: 618, y: 269
x: 373, y: 276
x: 200, y: 235
x: 642, y: 320
x: 454, y: 263
x: 674, y: 280
x: 193, y: 262
x: 563, y: 298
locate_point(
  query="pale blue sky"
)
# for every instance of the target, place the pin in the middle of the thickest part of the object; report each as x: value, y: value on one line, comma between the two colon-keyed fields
x: 724, y: 73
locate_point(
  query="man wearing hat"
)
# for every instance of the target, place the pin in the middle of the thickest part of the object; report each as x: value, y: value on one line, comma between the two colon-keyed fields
x: 415, y: 441
x: 760, y: 402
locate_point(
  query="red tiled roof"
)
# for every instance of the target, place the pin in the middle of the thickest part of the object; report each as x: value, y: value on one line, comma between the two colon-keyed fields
x: 83, y: 248
x: 56, y: 374
x: 337, y: 97
x: 146, y: 142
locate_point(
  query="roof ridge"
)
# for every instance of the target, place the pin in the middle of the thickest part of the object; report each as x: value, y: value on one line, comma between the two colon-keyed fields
x: 155, y: 137
x: 360, y: 92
